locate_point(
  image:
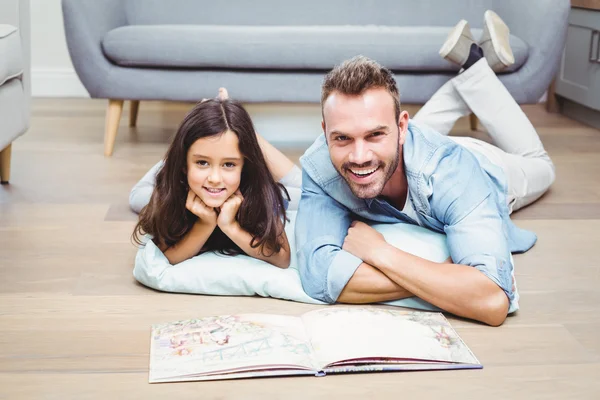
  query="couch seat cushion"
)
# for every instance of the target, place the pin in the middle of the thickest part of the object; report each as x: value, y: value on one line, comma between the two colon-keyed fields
x: 11, y: 53
x: 283, y: 47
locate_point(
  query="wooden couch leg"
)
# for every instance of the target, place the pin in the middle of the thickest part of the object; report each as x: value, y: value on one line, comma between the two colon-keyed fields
x: 552, y: 104
x: 473, y: 122
x: 113, y: 117
x: 133, y: 112
x: 5, y: 164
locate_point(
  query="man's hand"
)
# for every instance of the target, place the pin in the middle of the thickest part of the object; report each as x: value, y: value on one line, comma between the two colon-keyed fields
x: 229, y: 209
x: 364, y: 242
x: 206, y: 215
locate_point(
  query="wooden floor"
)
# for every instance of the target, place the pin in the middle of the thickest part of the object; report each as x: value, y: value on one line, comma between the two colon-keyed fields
x: 75, y: 325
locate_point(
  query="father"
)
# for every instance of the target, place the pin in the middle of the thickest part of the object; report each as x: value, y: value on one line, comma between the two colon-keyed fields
x: 373, y: 163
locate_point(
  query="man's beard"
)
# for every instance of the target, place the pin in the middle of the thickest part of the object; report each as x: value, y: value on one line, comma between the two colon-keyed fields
x: 374, y: 189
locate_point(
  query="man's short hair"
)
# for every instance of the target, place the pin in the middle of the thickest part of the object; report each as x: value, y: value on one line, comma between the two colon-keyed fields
x: 358, y: 74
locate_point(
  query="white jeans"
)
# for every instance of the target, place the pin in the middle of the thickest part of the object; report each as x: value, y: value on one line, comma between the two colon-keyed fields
x: 518, y: 149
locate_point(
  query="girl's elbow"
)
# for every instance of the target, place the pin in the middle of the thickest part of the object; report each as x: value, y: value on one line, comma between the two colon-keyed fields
x: 284, y: 261
x: 497, y: 308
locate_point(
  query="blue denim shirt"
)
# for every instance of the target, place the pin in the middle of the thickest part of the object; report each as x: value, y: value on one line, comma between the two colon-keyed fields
x: 453, y: 191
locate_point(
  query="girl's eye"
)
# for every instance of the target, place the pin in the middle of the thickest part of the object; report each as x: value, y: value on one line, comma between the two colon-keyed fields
x: 202, y: 163
x: 229, y: 165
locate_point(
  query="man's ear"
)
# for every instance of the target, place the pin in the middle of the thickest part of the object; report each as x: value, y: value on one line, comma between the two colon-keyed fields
x: 402, y: 126
x: 323, y: 126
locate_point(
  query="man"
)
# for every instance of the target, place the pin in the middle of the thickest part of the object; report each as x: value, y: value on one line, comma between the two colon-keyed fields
x: 373, y: 163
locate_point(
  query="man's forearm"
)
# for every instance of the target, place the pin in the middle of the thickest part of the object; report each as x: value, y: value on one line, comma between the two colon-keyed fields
x: 458, y: 289
x: 369, y: 285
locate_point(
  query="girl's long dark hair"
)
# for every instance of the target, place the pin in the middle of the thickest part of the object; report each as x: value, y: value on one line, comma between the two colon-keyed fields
x: 167, y: 219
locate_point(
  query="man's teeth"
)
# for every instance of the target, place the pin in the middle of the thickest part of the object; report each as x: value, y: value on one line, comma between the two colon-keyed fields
x: 363, y: 172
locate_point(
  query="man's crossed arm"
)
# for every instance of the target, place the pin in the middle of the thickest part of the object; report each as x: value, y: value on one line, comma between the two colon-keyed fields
x: 350, y: 262
x: 388, y: 273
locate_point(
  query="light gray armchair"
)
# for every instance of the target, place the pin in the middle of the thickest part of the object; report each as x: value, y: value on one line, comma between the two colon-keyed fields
x: 278, y: 51
x: 15, y: 86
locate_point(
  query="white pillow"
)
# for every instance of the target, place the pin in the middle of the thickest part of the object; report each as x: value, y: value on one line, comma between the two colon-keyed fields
x: 215, y: 274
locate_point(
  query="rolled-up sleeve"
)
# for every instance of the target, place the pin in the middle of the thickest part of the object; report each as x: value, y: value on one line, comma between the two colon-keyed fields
x: 475, y: 231
x: 321, y: 227
x: 479, y: 240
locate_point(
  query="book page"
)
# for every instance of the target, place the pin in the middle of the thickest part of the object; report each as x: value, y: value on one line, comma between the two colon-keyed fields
x: 347, y: 333
x: 223, y: 344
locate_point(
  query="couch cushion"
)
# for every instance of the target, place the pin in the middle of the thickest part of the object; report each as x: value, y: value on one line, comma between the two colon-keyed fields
x: 11, y: 53
x: 283, y: 47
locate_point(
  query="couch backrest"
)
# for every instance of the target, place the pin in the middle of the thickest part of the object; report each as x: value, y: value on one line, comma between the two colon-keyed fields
x: 306, y: 12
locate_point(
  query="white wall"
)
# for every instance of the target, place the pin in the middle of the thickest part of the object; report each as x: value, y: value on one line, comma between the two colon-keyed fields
x: 52, y: 73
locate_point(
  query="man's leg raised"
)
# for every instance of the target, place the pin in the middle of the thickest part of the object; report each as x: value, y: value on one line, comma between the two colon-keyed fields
x: 529, y: 168
x: 446, y: 106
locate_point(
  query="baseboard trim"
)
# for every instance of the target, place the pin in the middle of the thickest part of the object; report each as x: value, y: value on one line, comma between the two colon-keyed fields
x: 581, y: 113
x: 56, y: 82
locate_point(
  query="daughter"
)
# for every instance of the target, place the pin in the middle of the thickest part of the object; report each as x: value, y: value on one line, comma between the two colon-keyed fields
x: 216, y: 189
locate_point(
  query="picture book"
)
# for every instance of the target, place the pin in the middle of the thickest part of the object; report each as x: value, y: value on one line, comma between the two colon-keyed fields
x: 330, y: 340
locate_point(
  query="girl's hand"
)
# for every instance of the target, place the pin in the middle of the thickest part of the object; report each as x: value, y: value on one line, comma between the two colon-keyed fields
x: 229, y: 209
x: 206, y: 215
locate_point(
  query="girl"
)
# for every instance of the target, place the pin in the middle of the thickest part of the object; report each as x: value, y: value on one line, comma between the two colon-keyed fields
x: 216, y: 189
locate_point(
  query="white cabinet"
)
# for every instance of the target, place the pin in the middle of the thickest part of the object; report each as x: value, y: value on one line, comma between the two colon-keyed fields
x: 579, y: 77
x: 578, y: 82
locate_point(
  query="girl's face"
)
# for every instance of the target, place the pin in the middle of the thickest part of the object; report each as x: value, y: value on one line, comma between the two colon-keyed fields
x: 214, y: 168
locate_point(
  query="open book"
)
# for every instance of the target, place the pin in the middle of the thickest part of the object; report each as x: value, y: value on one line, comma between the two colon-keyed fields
x: 328, y: 340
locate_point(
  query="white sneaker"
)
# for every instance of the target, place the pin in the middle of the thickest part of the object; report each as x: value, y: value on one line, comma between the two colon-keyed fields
x: 457, y: 46
x: 495, y: 42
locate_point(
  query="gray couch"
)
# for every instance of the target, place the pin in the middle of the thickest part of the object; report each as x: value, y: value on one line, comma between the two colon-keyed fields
x: 15, y: 87
x: 278, y: 51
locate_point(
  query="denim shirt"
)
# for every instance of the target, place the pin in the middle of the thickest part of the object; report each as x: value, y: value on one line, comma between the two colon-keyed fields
x: 453, y: 191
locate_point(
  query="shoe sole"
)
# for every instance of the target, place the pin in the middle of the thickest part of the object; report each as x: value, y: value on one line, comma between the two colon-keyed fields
x: 461, y: 29
x: 500, y: 36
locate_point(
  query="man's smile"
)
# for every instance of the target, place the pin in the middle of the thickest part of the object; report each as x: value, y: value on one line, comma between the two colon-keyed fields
x: 362, y: 175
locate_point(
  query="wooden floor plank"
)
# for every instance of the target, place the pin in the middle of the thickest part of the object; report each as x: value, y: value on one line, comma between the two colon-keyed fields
x: 75, y: 324
x: 507, y: 382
